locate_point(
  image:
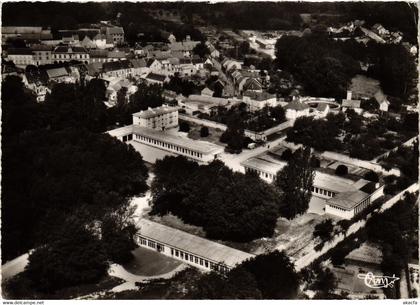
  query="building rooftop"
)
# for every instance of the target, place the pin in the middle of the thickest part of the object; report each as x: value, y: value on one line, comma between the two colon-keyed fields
x: 264, y: 163
x: 57, y: 72
x: 198, y: 146
x: 351, y: 103
x: 295, y: 105
x: 152, y: 112
x: 193, y: 244
x: 347, y: 200
x: 19, y: 51
x: 66, y: 49
x: 259, y: 96
x: 156, y: 77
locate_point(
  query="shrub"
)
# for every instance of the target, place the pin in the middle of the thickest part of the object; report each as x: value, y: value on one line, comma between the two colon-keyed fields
x: 184, y: 127
x: 204, y: 132
x: 341, y: 170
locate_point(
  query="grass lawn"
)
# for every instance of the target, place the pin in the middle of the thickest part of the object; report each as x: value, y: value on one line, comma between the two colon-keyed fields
x: 213, y: 137
x: 149, y: 262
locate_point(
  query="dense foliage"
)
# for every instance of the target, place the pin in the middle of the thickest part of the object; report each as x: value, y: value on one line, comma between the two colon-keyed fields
x: 55, y: 165
x: 215, y: 198
x: 295, y: 181
x: 266, y: 276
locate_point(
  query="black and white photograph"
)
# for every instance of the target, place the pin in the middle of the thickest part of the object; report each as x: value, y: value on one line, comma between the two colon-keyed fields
x: 248, y: 150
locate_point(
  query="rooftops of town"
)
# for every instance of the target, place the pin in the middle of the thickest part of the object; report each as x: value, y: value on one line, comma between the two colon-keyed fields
x: 264, y: 163
x: 193, y: 244
x: 156, y: 77
x: 67, y: 49
x: 57, y: 72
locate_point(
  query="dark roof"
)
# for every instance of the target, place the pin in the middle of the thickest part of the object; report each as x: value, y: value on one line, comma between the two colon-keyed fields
x: 20, y: 51
x: 116, y: 65
x: 138, y: 63
x: 98, y: 53
x: 157, y: 77
x: 259, y: 96
x: 66, y: 49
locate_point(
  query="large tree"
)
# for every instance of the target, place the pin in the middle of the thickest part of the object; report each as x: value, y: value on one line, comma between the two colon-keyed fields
x: 295, y: 182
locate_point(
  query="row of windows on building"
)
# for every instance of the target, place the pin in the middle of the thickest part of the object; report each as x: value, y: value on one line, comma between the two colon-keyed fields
x: 170, y: 146
x: 63, y: 56
x: 361, y: 206
x: 338, y: 208
x: 320, y: 191
x: 187, y: 257
x: 262, y: 174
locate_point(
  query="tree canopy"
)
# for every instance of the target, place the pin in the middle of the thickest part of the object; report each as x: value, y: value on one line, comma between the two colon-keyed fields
x: 215, y: 198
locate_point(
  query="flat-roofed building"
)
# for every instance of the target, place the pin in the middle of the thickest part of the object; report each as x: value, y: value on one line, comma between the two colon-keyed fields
x: 343, y: 197
x: 258, y: 100
x: 196, y: 251
x: 200, y: 151
x: 159, y: 118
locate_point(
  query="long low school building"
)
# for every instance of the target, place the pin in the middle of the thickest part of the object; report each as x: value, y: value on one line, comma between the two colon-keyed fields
x: 344, y: 197
x: 195, y: 150
x: 188, y: 248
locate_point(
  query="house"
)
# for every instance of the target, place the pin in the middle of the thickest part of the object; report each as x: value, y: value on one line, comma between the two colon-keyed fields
x: 60, y: 75
x: 154, y: 78
x: 139, y: 67
x: 185, y: 47
x: 322, y: 110
x: 116, y: 55
x: 349, y: 103
x: 114, y: 35
x: 172, y: 97
x: 42, y: 54
x: 159, y: 118
x: 87, y: 43
x: 172, y: 38
x: 154, y: 65
x: 206, y: 91
x: 258, y: 100
x: 98, y: 55
x: 117, y: 68
x: 190, y: 249
x: 115, y: 86
x: 296, y: 109
x: 213, y: 51
x: 21, y: 57
x: 382, y: 100
x: 65, y: 53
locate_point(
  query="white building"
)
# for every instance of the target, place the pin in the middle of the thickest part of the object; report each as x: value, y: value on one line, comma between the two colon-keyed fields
x: 258, y: 100
x: 296, y: 109
x: 344, y: 197
x: 159, y: 118
x: 190, y: 249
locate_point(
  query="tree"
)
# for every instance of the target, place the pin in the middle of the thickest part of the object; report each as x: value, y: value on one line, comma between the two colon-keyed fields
x: 295, y: 182
x: 341, y: 170
x: 75, y: 257
x: 184, y: 127
x: 204, y: 132
x: 201, y: 50
x: 287, y: 155
x: 271, y: 271
x: 324, y: 230
x: 193, y: 192
x: 371, y: 176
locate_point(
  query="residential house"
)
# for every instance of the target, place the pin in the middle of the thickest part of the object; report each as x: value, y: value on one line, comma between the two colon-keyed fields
x: 322, y: 110
x: 114, y: 35
x: 206, y: 91
x: 98, y: 55
x: 117, y: 68
x: 296, y: 109
x: 60, y: 75
x: 154, y: 65
x: 42, y: 54
x: 349, y: 103
x: 258, y: 100
x: 21, y: 57
x: 65, y: 53
x: 185, y: 46
x: 382, y: 100
x: 139, y: 67
x: 154, y: 78
x: 213, y: 51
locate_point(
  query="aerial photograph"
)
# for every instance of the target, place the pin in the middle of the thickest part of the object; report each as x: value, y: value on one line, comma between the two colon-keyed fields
x: 209, y: 150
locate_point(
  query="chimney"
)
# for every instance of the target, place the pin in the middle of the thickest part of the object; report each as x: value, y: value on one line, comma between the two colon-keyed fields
x: 348, y: 95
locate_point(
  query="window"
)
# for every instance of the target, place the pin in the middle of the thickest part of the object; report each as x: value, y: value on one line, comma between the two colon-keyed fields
x: 196, y: 259
x: 176, y: 253
x: 182, y: 254
x: 206, y: 263
x: 191, y: 258
x: 201, y: 261
x: 172, y: 251
x: 186, y: 256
